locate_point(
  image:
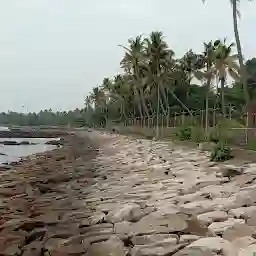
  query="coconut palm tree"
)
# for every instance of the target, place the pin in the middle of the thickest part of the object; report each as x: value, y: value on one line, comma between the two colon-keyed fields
x: 225, y: 64
x: 206, y: 73
x: 131, y: 63
x: 235, y: 13
x: 158, y: 54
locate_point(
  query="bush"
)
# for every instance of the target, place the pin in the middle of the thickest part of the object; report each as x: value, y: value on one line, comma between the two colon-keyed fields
x: 221, y: 152
x: 185, y: 133
x: 198, y: 134
x: 215, y: 135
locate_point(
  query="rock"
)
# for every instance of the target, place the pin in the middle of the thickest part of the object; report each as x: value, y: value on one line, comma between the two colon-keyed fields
x: 188, y: 238
x: 197, y: 207
x: 84, y: 223
x: 248, y: 251
x: 163, y: 248
x: 195, y: 227
x: 149, y: 239
x: 25, y: 142
x: 231, y: 171
x: 12, y: 250
x: 243, y: 242
x: 215, y: 244
x: 237, y: 231
x: 210, y: 217
x: 195, y: 252
x: 206, y: 146
x: 122, y: 228
x: 54, y: 142
x: 158, y: 223
x: 72, y: 249
x: 220, y: 227
x: 36, y: 234
x: 33, y: 249
x: 114, y: 246
x: 10, y: 143
x: 243, y: 212
x: 97, y: 218
x: 129, y: 212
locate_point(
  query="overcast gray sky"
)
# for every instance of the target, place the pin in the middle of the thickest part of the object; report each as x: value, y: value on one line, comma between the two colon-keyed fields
x: 52, y: 52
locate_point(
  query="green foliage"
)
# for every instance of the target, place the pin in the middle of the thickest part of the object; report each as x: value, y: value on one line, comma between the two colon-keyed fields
x: 198, y: 134
x: 76, y: 118
x: 184, y: 133
x: 226, y: 130
x: 221, y: 152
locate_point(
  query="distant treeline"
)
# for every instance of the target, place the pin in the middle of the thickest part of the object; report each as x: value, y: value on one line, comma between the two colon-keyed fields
x: 46, y: 117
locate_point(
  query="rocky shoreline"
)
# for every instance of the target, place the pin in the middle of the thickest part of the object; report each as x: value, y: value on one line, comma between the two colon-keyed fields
x: 40, y: 198
x: 106, y: 194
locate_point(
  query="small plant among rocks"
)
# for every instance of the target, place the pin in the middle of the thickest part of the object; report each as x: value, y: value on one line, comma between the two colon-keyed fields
x: 221, y: 152
x: 185, y: 133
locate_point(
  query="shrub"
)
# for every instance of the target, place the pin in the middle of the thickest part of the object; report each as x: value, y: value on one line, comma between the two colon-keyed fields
x: 185, y: 133
x: 221, y: 152
x: 215, y: 135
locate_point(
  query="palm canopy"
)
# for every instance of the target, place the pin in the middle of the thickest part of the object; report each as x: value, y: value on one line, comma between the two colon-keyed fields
x: 133, y: 55
x: 226, y: 62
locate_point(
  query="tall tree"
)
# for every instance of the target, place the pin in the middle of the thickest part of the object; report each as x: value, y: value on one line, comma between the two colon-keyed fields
x: 132, y: 62
x: 225, y: 64
x: 206, y: 73
x: 235, y: 13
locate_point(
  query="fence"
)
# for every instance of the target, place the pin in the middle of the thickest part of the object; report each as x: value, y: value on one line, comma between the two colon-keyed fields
x: 195, y: 118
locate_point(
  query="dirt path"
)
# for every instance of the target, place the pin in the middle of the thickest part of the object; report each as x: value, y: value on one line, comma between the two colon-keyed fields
x: 106, y: 194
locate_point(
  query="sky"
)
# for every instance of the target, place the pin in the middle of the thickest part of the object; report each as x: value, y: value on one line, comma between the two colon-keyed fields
x: 52, y: 52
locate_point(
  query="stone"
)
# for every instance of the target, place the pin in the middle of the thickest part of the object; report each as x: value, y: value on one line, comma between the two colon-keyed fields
x: 36, y: 234
x: 149, y: 239
x: 195, y: 252
x: 85, y: 223
x: 12, y: 250
x: 72, y: 250
x: 243, y: 212
x: 129, y: 212
x: 210, y: 217
x: 163, y: 248
x: 197, y: 207
x: 243, y: 242
x: 196, y: 227
x: 97, y: 218
x: 248, y: 251
x: 206, y: 146
x: 114, y: 246
x: 33, y: 249
x: 188, y: 238
x: 220, y: 227
x: 122, y: 228
x: 215, y: 244
x: 236, y: 231
x: 158, y: 223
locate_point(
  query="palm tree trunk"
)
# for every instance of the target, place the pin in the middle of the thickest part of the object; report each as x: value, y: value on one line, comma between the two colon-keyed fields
x: 181, y: 103
x: 161, y: 102
x: 207, y: 106
x: 223, y: 110
x: 137, y: 97
x: 144, y: 103
x: 240, y: 58
x: 165, y: 98
x: 157, y: 112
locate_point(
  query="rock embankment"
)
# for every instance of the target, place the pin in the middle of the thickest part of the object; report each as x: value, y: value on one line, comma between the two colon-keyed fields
x: 42, y: 201
x: 157, y: 199
x: 127, y: 197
